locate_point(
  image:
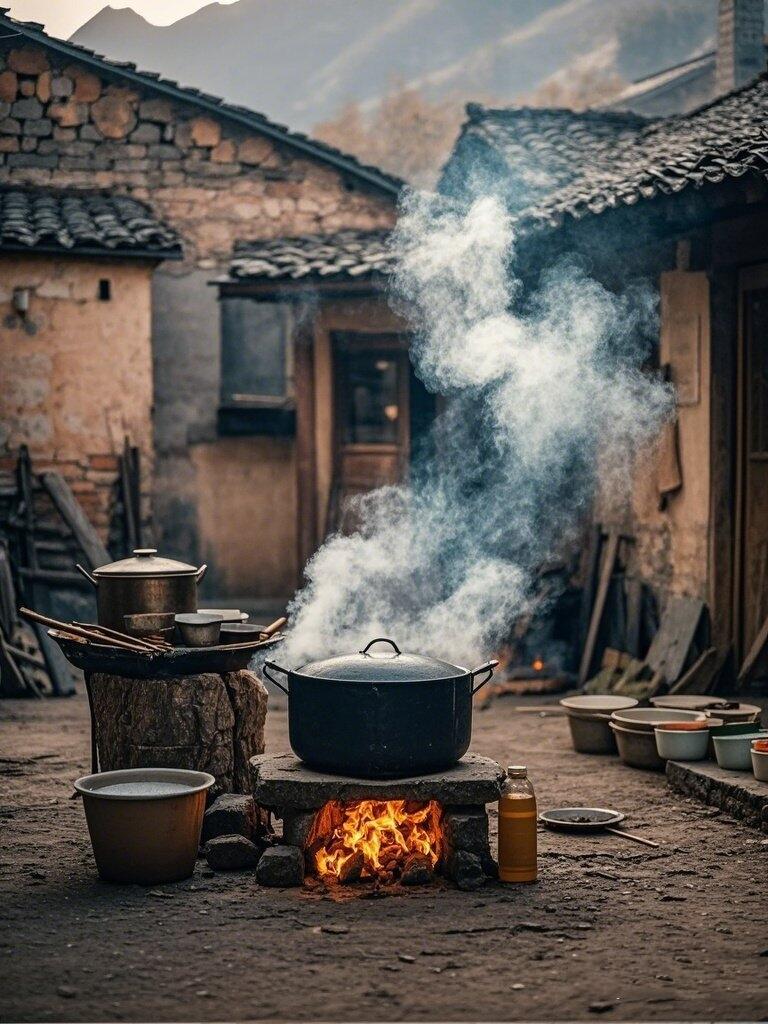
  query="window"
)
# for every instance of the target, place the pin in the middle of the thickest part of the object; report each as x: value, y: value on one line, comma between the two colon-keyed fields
x: 370, y: 382
x: 256, y: 366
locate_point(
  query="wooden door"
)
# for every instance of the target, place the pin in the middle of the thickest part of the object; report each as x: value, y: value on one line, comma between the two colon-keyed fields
x: 752, y: 492
x: 372, y: 416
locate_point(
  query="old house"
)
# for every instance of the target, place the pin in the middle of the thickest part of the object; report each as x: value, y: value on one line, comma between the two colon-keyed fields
x: 230, y: 474
x: 682, y: 202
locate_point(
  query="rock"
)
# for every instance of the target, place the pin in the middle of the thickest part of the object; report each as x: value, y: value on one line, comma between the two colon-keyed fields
x: 29, y: 107
x: 466, y: 870
x: 230, y: 814
x: 231, y: 853
x: 224, y: 153
x: 70, y: 114
x: 335, y: 929
x: 156, y: 110
x: 38, y: 126
x: 61, y: 86
x: 600, y: 1007
x: 281, y: 866
x: 28, y: 61
x: 8, y: 86
x: 114, y: 116
x: 67, y: 991
x: 146, y: 133
x: 205, y: 131
x: 417, y: 870
x: 296, y: 827
x: 254, y: 150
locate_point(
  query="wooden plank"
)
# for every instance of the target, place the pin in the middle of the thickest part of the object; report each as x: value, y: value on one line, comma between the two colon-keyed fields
x: 633, y: 590
x: 752, y: 658
x: 126, y: 488
x: 55, y: 578
x: 606, y: 572
x: 671, y: 646
x: 590, y: 581
x: 73, y: 515
x: 24, y: 477
x: 306, y: 461
x: 702, y: 675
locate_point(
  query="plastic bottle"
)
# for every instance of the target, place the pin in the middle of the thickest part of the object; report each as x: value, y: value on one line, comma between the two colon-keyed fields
x: 517, y: 827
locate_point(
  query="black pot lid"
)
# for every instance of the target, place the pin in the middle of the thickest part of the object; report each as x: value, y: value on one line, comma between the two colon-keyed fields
x: 382, y: 664
x: 145, y: 562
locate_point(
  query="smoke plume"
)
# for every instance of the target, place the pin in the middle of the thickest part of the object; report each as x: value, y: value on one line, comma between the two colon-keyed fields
x: 543, y: 394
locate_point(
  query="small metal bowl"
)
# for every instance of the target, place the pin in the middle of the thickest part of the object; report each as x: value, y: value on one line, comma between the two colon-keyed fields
x: 240, y: 632
x: 149, y: 623
x: 197, y: 629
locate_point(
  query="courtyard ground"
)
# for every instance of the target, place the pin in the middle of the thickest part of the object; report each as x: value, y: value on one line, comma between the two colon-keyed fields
x: 611, y: 928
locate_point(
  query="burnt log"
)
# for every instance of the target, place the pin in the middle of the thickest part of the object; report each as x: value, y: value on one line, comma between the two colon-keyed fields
x: 204, y: 722
x: 417, y: 870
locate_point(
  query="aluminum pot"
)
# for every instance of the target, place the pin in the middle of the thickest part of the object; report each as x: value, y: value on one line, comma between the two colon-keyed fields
x: 143, y: 583
x: 382, y: 714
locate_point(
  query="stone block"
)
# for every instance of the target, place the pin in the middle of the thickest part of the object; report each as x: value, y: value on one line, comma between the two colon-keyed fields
x: 254, y: 150
x: 146, y: 133
x: 230, y: 814
x: 9, y: 144
x: 281, y: 780
x: 231, y: 853
x: 205, y: 131
x: 297, y: 825
x: 64, y: 134
x: 27, y: 87
x: 90, y: 133
x: 33, y: 160
x: 29, y: 144
x: 28, y: 61
x: 43, y: 88
x: 69, y: 114
x: 28, y: 107
x: 62, y: 86
x: 156, y: 110
x: 86, y: 86
x: 737, y: 793
x: 224, y: 153
x: 162, y: 151
x: 114, y: 116
x: 8, y: 86
x: 40, y: 126
x: 281, y: 866
x: 466, y: 870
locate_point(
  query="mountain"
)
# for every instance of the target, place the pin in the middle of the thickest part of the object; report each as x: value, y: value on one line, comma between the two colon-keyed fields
x: 299, y: 61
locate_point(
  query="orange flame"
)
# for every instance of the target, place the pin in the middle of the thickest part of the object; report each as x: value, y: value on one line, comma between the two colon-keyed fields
x: 538, y: 664
x: 375, y: 837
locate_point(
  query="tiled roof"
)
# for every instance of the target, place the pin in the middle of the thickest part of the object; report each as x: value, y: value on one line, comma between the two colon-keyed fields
x: 215, y: 105
x: 727, y: 138
x: 556, y: 164
x: 350, y: 255
x: 535, y: 150
x: 47, y: 220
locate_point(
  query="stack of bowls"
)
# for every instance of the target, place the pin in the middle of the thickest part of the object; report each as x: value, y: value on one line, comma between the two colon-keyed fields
x: 635, y: 736
x: 589, y: 717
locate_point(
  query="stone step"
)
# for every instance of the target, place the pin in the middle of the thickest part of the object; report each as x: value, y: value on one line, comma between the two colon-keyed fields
x: 737, y: 793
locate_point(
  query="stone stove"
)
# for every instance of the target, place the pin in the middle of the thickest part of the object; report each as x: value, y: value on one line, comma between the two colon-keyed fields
x: 295, y: 794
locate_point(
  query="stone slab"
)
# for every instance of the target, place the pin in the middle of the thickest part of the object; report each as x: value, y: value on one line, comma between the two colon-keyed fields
x: 281, y: 780
x: 737, y: 793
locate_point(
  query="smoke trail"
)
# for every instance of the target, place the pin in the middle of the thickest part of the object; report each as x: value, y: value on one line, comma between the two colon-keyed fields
x: 543, y: 391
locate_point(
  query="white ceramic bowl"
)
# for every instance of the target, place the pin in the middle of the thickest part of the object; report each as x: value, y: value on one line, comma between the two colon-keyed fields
x: 674, y: 745
x: 646, y: 719
x: 733, y: 752
x: 759, y: 764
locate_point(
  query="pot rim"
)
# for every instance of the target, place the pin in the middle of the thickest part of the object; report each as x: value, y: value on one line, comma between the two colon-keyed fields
x: 462, y: 673
x: 202, y: 781
x: 158, y: 567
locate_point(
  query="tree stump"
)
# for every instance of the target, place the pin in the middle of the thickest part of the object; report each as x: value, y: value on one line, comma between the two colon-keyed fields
x: 207, y: 722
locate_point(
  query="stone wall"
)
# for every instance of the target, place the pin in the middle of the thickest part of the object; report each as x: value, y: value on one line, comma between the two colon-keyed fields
x: 76, y: 372
x: 215, y: 182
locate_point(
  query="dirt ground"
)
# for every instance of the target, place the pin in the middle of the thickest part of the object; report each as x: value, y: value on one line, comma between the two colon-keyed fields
x: 611, y: 928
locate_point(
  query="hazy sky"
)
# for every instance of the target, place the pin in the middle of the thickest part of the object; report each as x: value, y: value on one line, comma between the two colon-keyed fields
x: 62, y: 17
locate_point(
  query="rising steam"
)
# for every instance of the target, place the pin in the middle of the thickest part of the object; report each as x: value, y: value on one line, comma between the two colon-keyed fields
x: 541, y: 391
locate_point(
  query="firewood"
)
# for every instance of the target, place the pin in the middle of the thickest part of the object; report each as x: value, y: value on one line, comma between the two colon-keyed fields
x: 352, y: 869
x: 417, y: 870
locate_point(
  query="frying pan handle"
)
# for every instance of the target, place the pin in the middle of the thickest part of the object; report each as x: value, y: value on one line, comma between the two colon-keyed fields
x: 381, y: 640
x: 488, y: 668
x: 271, y: 665
x: 200, y: 573
x: 91, y: 579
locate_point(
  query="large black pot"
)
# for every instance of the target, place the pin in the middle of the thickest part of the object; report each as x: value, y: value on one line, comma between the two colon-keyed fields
x: 382, y: 715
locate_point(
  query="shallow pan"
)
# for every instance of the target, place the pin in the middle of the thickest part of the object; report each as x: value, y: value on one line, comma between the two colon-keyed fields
x: 179, y: 661
x: 145, y: 823
x: 646, y: 719
x: 571, y: 819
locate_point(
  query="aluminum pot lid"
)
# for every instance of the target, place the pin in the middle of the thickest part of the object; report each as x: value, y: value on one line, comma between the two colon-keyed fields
x: 145, y: 562
x: 382, y: 663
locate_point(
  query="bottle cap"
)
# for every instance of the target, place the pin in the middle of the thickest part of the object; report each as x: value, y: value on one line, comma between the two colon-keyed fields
x: 517, y: 771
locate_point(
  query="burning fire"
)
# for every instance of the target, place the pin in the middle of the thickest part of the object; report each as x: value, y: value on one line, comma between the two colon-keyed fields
x: 537, y: 665
x: 375, y: 838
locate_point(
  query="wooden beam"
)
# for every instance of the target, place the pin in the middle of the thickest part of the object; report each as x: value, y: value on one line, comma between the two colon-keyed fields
x: 73, y: 515
x: 606, y: 572
x: 671, y: 646
x: 306, y: 445
x: 753, y: 656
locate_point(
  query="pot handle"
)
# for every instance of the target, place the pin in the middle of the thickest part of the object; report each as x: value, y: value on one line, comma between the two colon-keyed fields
x: 381, y: 640
x: 200, y: 573
x: 271, y: 665
x: 488, y: 668
x: 91, y: 579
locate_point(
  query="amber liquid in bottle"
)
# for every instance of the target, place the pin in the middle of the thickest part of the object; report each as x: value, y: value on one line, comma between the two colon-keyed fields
x: 517, y: 828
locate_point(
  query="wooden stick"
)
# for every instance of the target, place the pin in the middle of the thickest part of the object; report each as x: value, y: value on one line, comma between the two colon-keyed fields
x: 273, y: 627
x: 587, y: 656
x: 85, y: 634
x: 114, y: 634
x: 629, y: 835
